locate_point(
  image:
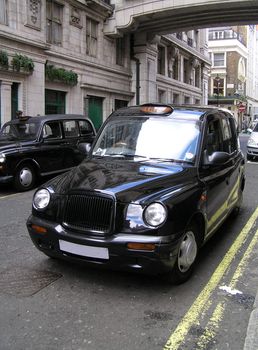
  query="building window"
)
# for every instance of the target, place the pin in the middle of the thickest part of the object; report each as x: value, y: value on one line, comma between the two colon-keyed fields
x: 187, y: 77
x: 120, y: 51
x: 91, y: 37
x: 161, y: 60
x: 176, y: 98
x: 218, y: 87
x: 120, y: 104
x: 54, y: 102
x: 187, y: 100
x: 162, y: 96
x: 197, y: 76
x: 3, y: 11
x: 54, y: 22
x: 219, y: 59
x: 14, y: 98
x: 175, y: 69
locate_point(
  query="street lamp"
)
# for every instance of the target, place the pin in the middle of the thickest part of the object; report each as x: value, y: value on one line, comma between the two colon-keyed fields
x: 217, y: 80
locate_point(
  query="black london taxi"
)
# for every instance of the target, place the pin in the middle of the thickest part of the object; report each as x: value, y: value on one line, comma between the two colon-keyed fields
x: 156, y: 184
x: 31, y: 147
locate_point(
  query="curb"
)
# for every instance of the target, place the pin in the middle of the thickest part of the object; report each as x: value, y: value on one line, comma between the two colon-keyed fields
x: 251, y: 339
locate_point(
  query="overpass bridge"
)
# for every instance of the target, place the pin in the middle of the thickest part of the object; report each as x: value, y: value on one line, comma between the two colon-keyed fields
x: 170, y: 16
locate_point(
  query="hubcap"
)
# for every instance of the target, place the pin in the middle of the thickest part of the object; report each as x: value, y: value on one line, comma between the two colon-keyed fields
x: 26, y: 177
x: 187, y: 252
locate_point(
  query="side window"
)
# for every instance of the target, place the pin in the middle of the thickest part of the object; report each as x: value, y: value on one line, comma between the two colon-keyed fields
x: 52, y: 130
x: 70, y: 128
x: 214, y: 137
x: 227, y: 136
x: 85, y: 127
x: 234, y: 136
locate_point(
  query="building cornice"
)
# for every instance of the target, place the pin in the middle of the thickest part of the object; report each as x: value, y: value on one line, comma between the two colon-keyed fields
x: 84, y: 62
x: 25, y: 41
x: 106, y: 89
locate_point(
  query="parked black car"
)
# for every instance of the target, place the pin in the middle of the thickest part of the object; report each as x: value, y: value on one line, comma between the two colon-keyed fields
x: 31, y: 147
x: 157, y: 183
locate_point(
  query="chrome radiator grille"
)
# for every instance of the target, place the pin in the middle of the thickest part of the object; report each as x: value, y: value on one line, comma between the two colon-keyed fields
x: 91, y: 212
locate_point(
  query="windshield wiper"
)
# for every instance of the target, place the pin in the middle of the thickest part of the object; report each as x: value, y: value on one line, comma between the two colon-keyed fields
x: 135, y: 155
x: 171, y: 160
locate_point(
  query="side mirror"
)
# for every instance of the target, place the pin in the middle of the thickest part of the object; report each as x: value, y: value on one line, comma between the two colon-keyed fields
x: 84, y: 148
x: 218, y: 158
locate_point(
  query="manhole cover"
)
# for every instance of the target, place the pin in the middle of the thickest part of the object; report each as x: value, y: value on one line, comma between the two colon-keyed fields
x: 22, y: 281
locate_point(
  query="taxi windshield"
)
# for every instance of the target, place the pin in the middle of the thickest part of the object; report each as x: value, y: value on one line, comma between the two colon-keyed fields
x: 20, y: 131
x: 152, y: 138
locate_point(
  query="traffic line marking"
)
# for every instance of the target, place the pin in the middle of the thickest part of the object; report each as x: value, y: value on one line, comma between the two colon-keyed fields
x: 200, y: 304
x: 217, y: 317
x: 9, y: 195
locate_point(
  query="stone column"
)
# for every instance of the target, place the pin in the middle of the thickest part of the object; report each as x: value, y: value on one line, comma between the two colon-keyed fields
x: 6, y: 101
x: 145, y: 50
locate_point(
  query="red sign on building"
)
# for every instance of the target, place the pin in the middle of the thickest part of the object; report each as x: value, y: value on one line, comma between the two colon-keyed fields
x: 241, y: 107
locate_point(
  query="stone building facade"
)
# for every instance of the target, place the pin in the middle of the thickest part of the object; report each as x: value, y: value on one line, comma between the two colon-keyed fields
x: 56, y: 58
x: 233, y: 74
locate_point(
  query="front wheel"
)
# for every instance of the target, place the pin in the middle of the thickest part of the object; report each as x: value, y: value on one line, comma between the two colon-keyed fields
x: 186, y: 257
x: 25, y: 178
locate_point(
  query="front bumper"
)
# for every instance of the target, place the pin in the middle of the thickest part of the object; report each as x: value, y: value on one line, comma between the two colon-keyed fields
x: 252, y: 151
x: 157, y: 261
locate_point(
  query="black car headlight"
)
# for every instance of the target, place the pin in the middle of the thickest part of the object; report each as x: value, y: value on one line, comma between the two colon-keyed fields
x: 2, y: 157
x: 155, y: 214
x: 41, y: 199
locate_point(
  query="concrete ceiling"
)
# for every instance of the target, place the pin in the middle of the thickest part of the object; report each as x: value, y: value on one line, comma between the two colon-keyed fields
x: 143, y: 16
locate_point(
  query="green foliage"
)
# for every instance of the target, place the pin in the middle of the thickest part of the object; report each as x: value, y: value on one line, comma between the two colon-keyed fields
x: 4, y: 62
x: 60, y: 74
x: 22, y: 62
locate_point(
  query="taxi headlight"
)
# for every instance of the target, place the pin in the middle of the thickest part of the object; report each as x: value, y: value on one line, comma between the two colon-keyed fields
x: 41, y: 199
x: 2, y: 157
x: 251, y: 142
x: 155, y: 214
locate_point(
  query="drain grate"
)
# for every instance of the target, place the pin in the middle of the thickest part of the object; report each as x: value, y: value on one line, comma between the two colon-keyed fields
x: 22, y: 281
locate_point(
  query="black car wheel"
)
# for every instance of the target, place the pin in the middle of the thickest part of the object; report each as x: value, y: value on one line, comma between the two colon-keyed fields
x: 25, y: 178
x: 186, y: 256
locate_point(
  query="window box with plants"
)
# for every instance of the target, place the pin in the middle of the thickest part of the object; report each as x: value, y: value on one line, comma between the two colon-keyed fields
x: 62, y: 75
x: 22, y: 63
x: 4, y: 61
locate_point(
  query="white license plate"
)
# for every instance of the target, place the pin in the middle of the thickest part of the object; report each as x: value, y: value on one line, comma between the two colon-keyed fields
x: 83, y: 250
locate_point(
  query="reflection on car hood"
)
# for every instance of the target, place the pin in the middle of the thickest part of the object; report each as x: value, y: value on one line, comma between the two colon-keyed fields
x: 11, y: 145
x: 7, y: 145
x: 127, y: 180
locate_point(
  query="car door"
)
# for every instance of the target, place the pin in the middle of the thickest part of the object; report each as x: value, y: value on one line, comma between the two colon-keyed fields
x: 231, y: 146
x: 51, y: 155
x: 75, y: 132
x: 72, y: 156
x: 216, y: 178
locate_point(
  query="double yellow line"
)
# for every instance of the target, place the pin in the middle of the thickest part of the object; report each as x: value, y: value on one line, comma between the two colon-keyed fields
x: 202, y: 302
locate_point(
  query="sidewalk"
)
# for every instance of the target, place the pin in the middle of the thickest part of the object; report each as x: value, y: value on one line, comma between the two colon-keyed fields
x: 251, y: 340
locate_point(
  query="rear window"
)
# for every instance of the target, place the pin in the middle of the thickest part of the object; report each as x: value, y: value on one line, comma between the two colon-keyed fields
x: 71, y: 128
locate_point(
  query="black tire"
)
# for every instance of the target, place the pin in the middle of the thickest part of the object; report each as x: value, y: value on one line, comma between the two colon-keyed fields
x: 25, y: 178
x: 186, y: 256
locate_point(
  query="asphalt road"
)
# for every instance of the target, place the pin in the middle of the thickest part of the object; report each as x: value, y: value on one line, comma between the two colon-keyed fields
x: 52, y: 305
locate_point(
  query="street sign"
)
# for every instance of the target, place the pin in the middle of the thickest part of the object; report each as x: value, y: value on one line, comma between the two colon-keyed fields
x: 241, y: 108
